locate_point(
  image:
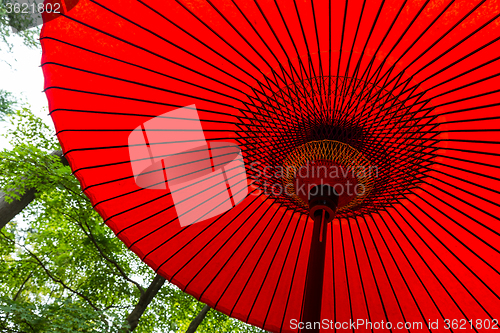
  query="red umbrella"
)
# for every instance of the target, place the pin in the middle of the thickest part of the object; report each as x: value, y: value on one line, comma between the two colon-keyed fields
x: 404, y: 89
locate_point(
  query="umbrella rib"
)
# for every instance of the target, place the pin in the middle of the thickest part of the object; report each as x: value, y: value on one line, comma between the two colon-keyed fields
x: 273, y: 258
x: 458, y: 75
x: 219, y: 218
x: 379, y: 69
x: 172, y: 220
x: 312, y: 71
x: 406, y: 257
x: 293, y: 274
x: 282, y: 268
x: 414, y: 42
x: 407, y: 261
x: 149, y: 69
x: 276, y: 37
x: 448, y: 66
x: 246, y: 257
x: 144, y: 115
x: 320, y: 61
x: 344, y: 262
x: 220, y: 37
x: 438, y: 40
x: 164, y: 195
x: 182, y: 49
x: 153, y: 87
x: 442, y: 262
x: 263, y: 42
x: 396, y: 298
x: 301, y: 64
x: 419, y: 95
x: 466, y: 229
x: 258, y: 262
x: 440, y: 189
x: 206, y: 262
x: 340, y: 58
x: 356, y: 259
x: 358, y: 64
x: 156, y: 54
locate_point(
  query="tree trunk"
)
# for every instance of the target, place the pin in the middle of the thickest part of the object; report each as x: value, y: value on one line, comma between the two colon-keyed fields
x: 197, y: 321
x: 9, y: 210
x: 144, y: 300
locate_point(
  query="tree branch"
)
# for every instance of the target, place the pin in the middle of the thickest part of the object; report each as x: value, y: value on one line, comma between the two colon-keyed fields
x: 114, y: 263
x: 198, y: 319
x: 50, y: 275
x: 16, y: 296
x: 90, y: 235
x: 9, y: 210
x: 144, y: 300
x: 22, y: 287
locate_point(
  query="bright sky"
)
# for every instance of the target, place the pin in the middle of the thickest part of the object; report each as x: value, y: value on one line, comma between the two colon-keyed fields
x: 20, y: 73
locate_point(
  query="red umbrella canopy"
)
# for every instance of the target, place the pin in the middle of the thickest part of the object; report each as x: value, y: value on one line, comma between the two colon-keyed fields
x: 405, y: 89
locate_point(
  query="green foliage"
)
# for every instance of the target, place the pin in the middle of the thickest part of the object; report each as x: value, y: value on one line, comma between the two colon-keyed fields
x: 28, y: 165
x: 59, y: 316
x: 7, y: 102
x: 182, y: 309
x: 61, y: 268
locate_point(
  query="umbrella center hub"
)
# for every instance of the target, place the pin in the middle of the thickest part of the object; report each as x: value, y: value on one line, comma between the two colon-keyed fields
x: 328, y: 163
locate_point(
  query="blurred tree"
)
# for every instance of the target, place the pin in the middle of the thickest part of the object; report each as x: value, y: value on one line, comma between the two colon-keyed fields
x: 63, y: 270
x: 7, y: 103
x: 12, y: 23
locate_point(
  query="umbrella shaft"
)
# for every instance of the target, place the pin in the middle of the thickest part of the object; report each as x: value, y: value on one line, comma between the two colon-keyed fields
x: 311, y: 306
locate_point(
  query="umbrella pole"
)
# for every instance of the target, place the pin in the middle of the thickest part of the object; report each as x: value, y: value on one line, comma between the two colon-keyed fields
x: 322, y: 206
